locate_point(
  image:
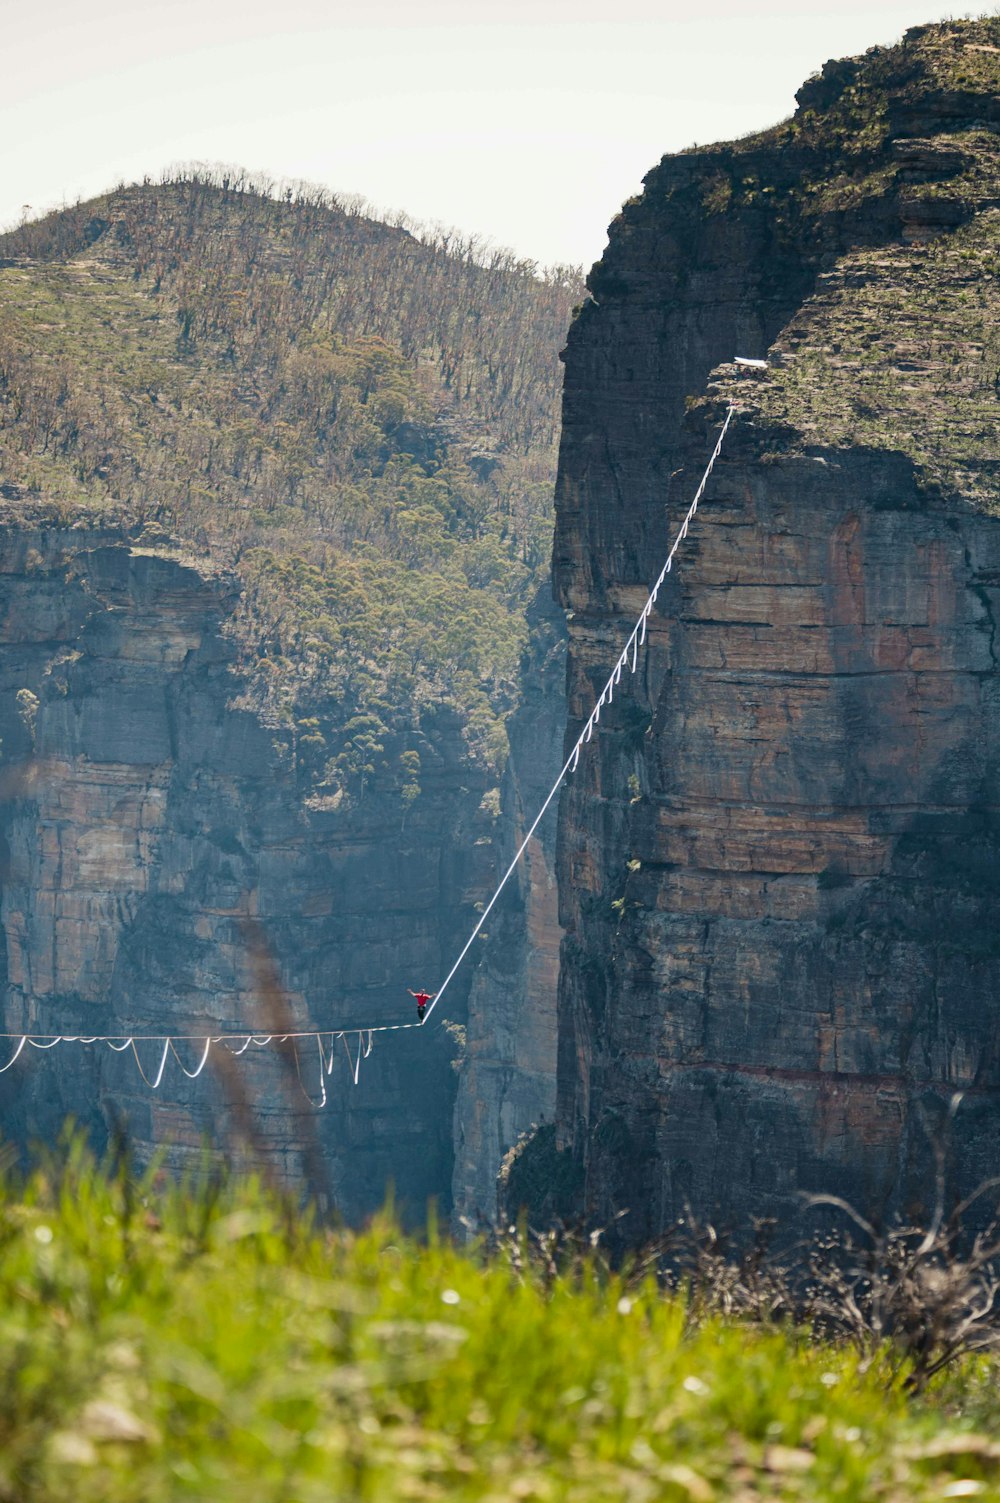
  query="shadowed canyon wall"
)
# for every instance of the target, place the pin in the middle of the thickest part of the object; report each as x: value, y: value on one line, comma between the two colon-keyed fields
x: 779, y: 870
x: 154, y: 836
x: 778, y: 866
x: 507, y: 1082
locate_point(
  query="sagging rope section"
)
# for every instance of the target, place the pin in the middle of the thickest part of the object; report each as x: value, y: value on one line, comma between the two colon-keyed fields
x: 234, y: 1043
x: 240, y: 1043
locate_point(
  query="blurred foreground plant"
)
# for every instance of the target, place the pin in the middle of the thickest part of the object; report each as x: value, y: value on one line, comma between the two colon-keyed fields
x: 163, y: 1340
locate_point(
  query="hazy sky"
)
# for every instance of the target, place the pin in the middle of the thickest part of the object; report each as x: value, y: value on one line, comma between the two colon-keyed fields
x: 527, y: 120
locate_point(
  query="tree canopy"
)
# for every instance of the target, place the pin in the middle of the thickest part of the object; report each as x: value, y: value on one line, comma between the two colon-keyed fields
x: 360, y: 418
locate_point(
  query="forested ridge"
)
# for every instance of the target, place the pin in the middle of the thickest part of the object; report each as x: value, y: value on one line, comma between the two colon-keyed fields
x: 359, y: 418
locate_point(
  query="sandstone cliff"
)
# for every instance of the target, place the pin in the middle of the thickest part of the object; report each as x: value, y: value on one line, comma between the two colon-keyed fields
x: 277, y: 502
x: 779, y: 871
x: 146, y: 821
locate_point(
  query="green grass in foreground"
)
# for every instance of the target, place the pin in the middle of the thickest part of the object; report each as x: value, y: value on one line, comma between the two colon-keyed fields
x: 180, y: 1343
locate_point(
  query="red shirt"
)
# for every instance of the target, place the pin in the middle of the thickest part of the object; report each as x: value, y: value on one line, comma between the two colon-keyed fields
x: 422, y: 998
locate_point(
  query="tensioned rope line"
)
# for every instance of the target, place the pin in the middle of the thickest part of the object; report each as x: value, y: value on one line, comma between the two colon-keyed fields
x: 629, y: 657
x: 631, y: 649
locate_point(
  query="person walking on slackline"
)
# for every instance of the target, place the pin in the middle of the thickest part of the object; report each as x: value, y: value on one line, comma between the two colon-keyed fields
x: 422, y: 999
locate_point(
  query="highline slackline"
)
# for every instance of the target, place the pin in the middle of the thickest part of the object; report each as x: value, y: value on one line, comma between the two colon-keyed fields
x: 238, y: 1043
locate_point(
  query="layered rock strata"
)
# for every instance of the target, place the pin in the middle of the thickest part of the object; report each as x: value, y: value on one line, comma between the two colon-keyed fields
x: 779, y: 871
x: 162, y: 873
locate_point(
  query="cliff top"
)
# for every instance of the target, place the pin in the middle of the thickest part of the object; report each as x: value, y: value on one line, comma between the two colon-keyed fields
x: 854, y: 243
x: 883, y: 190
x: 844, y: 145
x: 937, y: 73
x: 899, y: 349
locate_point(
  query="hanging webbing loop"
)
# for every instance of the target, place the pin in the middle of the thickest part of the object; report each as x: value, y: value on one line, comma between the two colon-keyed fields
x: 365, y: 1036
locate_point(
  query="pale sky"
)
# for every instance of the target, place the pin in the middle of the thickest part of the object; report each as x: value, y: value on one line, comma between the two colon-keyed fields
x: 528, y: 121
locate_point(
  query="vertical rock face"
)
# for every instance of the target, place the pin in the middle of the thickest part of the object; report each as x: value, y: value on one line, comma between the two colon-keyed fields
x: 508, y: 1075
x: 779, y: 871
x: 154, y: 836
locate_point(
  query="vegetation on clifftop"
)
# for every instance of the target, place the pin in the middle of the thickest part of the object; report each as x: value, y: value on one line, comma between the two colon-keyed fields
x: 851, y: 108
x: 360, y: 419
x: 928, y: 386
x: 885, y: 186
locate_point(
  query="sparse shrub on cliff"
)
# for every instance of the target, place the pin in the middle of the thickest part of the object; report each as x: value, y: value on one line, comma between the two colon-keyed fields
x: 539, y: 1178
x: 27, y: 708
x: 929, y: 1295
x: 457, y: 1036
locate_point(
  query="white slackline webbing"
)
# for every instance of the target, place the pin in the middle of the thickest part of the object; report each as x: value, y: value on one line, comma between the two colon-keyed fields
x: 630, y: 650
x: 239, y: 1043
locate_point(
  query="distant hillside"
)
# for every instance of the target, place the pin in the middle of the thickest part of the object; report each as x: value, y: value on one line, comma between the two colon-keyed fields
x: 360, y: 420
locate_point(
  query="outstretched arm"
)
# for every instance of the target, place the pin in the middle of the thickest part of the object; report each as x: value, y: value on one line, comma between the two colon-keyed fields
x: 412, y: 994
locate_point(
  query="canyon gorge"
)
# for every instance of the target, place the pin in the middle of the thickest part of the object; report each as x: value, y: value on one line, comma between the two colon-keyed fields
x: 757, y: 953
